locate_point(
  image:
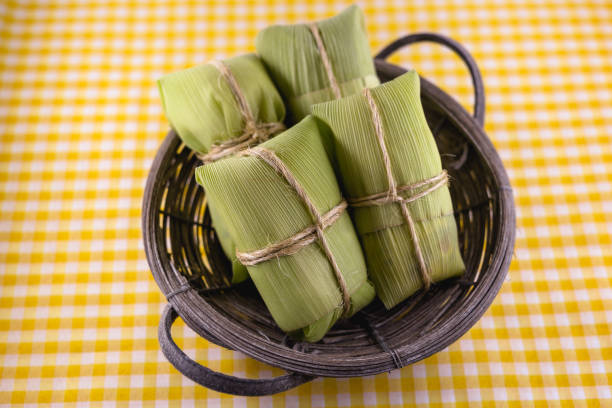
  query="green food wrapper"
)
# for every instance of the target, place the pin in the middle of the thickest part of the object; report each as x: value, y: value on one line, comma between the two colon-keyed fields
x: 385, y: 233
x: 292, y: 54
x: 203, y: 109
x: 260, y: 209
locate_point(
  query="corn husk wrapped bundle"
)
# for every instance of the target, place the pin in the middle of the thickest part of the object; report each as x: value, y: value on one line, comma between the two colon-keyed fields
x: 392, y: 176
x: 318, y: 62
x: 219, y: 109
x: 282, y: 205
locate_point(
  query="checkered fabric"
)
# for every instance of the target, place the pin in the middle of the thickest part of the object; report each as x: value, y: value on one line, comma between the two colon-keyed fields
x: 80, y: 122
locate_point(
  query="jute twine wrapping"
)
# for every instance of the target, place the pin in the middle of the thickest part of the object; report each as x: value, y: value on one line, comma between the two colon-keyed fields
x: 253, y: 133
x: 293, y: 244
x: 392, y: 195
x: 328, y: 68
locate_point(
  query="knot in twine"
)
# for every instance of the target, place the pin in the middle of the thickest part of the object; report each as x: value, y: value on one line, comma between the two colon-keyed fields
x: 305, y: 237
x: 392, y: 195
x: 253, y: 133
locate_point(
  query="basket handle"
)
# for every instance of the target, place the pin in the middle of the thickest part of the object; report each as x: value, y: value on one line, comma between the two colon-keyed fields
x: 462, y: 52
x: 219, y: 381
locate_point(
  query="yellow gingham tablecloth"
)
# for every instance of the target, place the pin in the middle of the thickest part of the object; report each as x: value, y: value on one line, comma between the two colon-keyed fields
x: 80, y: 121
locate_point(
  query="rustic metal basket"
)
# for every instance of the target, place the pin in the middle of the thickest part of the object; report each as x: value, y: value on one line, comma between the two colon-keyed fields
x: 192, y: 271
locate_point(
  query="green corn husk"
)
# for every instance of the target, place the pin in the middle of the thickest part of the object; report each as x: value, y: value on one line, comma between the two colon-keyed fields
x: 202, y: 109
x: 293, y: 59
x: 385, y: 237
x: 259, y: 208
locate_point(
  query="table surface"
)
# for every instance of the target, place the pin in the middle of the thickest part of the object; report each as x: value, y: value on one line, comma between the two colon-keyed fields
x: 80, y: 122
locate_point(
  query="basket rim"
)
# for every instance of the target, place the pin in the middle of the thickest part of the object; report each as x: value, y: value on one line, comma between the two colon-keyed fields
x: 220, y: 330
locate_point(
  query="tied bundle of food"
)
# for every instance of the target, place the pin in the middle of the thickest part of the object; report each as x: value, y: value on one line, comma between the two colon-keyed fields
x: 219, y: 109
x: 318, y: 62
x: 282, y: 205
x: 277, y: 206
x: 391, y: 173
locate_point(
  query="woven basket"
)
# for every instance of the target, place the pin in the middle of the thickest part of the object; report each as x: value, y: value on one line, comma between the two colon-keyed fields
x: 192, y: 272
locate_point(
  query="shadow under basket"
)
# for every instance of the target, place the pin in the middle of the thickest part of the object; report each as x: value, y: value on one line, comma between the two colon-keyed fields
x: 191, y: 270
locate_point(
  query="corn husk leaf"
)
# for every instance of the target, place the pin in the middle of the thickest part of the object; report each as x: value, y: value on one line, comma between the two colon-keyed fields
x: 202, y: 109
x: 292, y: 57
x: 385, y: 237
x: 260, y: 208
